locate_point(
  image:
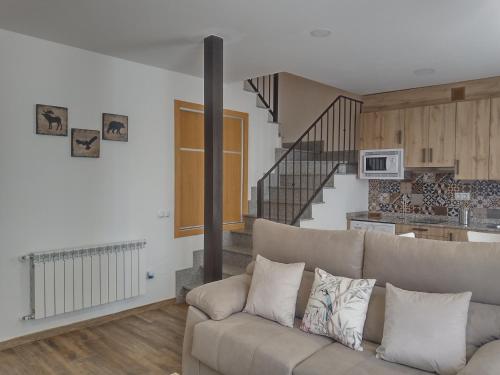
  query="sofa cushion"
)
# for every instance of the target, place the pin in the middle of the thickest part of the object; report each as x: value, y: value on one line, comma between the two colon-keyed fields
x: 303, y: 293
x: 425, y: 330
x: 247, y: 344
x: 434, y: 266
x: 338, y: 252
x: 483, y: 325
x: 337, y: 308
x: 336, y: 359
x: 273, y: 292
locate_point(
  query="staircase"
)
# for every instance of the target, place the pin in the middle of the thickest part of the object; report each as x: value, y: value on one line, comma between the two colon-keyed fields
x: 287, y: 192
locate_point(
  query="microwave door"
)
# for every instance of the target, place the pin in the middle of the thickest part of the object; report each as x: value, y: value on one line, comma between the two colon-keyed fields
x: 375, y: 164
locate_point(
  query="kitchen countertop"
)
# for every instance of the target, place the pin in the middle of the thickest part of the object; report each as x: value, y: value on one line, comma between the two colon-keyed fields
x: 481, y: 225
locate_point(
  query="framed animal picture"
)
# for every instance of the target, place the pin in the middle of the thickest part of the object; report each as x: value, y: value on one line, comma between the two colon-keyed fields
x: 114, y: 127
x: 85, y: 143
x: 51, y: 120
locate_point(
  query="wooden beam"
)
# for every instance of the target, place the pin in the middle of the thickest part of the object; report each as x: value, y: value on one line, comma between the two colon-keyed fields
x: 213, y: 157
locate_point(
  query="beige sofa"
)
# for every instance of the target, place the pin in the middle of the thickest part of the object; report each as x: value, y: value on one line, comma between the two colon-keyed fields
x: 220, y: 339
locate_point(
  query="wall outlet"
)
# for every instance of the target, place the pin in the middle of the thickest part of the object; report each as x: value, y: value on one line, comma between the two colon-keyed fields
x: 462, y: 196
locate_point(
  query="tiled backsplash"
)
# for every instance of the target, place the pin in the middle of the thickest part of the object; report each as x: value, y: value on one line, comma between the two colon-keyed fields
x: 432, y: 194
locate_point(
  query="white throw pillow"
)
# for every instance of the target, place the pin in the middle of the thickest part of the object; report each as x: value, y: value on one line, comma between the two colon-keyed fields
x: 425, y: 330
x: 274, y: 288
x: 337, y: 308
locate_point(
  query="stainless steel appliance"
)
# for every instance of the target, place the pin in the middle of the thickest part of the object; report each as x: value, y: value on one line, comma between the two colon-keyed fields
x: 463, y: 216
x: 387, y: 164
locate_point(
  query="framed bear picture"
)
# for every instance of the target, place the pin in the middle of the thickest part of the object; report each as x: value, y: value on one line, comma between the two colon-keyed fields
x: 85, y: 143
x: 114, y: 127
x: 51, y: 120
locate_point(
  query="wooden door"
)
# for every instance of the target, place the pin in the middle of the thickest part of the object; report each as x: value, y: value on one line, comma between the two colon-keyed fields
x: 442, y: 135
x: 472, y: 140
x: 494, y: 166
x: 416, y: 136
x: 391, y: 129
x: 189, y: 169
x: 370, y: 132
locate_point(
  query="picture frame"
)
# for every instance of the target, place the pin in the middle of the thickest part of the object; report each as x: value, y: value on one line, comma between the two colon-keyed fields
x: 85, y: 143
x: 51, y: 120
x: 114, y: 127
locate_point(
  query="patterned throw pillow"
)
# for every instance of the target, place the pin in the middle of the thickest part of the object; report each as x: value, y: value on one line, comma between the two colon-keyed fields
x: 337, y: 308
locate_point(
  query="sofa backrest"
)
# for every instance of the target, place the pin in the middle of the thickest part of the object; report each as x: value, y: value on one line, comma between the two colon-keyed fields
x: 435, y: 267
x: 337, y: 252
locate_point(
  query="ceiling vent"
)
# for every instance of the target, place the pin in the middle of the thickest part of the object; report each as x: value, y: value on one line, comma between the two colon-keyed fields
x: 457, y: 93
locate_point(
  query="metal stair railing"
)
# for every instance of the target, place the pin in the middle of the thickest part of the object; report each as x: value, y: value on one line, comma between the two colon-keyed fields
x: 329, y: 142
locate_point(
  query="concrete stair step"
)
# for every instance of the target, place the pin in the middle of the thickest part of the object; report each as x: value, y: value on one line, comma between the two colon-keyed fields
x: 298, y: 181
x: 284, y: 212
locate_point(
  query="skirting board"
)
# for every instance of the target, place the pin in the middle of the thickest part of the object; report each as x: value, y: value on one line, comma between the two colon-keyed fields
x: 80, y: 325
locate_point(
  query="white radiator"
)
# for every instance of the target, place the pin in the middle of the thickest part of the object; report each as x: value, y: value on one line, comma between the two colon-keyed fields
x: 62, y: 281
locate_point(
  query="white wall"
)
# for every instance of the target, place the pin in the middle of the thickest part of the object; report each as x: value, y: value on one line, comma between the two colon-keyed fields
x: 350, y: 195
x: 50, y: 200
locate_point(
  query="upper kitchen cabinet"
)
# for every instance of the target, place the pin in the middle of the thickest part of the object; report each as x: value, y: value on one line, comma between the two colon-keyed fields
x: 473, y: 140
x: 494, y: 166
x: 416, y: 136
x: 430, y: 136
x: 442, y: 120
x: 381, y: 130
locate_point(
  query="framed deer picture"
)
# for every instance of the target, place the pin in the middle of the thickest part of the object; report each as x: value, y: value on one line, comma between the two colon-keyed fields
x: 85, y: 143
x: 114, y: 127
x: 51, y: 120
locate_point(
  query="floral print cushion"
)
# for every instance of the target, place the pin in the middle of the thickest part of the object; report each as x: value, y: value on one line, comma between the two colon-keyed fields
x: 337, y: 308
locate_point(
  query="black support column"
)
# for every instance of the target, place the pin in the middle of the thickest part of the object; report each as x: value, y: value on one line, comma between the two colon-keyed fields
x: 213, y: 158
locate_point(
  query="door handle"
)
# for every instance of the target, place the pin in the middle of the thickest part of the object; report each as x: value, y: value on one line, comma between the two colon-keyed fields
x: 424, y: 154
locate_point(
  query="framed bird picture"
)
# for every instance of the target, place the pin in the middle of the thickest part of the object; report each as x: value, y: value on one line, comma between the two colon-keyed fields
x: 114, y: 127
x: 85, y: 143
x: 51, y: 120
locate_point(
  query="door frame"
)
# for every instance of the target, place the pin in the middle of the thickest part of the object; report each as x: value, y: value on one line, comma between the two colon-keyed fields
x: 180, y: 105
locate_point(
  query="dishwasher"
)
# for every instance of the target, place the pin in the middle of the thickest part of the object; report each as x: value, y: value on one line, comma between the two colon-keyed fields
x: 373, y: 226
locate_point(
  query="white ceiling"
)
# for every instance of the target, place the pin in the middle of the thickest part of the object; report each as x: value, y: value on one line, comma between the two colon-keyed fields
x: 375, y: 45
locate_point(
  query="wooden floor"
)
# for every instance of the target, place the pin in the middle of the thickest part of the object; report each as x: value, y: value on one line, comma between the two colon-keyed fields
x: 146, y: 343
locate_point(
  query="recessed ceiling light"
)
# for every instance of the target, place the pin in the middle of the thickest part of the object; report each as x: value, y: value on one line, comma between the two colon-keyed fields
x: 320, y: 33
x: 424, y: 72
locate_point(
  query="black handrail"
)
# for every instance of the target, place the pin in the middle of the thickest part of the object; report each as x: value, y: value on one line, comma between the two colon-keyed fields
x: 266, y: 88
x: 338, y: 148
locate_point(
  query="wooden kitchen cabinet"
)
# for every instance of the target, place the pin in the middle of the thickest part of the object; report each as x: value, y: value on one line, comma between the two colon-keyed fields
x: 430, y: 136
x: 433, y: 232
x: 442, y: 119
x: 384, y: 129
x: 422, y: 231
x: 416, y: 136
x: 473, y: 140
x: 494, y: 162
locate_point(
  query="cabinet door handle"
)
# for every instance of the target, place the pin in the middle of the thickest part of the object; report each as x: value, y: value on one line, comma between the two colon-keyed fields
x: 430, y: 155
x: 451, y: 236
x: 424, y: 154
x: 400, y: 137
x: 457, y: 167
x: 420, y: 229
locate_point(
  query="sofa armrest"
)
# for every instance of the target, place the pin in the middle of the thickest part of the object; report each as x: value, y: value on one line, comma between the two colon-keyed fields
x: 485, y: 361
x: 222, y: 298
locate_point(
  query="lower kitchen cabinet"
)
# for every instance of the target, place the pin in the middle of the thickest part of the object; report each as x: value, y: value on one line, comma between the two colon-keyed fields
x: 433, y: 233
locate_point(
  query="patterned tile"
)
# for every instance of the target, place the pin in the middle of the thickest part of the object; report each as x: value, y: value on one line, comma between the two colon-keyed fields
x: 431, y: 193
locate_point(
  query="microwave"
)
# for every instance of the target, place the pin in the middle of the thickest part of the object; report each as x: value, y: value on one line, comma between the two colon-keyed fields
x: 385, y: 164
